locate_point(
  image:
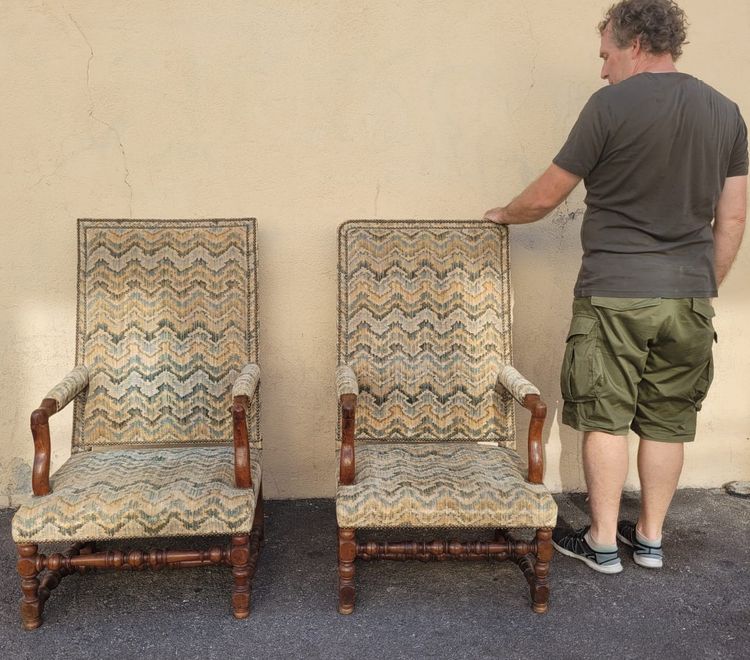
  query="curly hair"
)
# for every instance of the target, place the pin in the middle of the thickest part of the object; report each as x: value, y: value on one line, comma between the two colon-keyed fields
x: 660, y: 25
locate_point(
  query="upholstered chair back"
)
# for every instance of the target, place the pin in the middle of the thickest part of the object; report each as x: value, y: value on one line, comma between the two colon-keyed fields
x: 425, y: 323
x: 167, y: 319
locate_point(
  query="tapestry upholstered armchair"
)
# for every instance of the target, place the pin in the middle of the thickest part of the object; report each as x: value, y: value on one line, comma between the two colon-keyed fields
x: 166, y: 438
x: 426, y: 391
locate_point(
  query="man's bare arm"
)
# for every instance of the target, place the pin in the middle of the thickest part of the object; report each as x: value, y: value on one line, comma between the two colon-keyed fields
x: 729, y: 224
x: 543, y: 195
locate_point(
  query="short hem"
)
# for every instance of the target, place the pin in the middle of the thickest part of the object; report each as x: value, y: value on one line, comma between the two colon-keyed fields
x: 674, y: 438
x: 585, y: 428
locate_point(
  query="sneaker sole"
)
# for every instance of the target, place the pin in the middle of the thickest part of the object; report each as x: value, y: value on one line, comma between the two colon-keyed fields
x: 645, y: 562
x: 609, y: 570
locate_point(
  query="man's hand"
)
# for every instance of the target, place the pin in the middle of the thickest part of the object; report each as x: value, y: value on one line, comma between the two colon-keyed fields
x: 496, y: 215
x: 538, y: 199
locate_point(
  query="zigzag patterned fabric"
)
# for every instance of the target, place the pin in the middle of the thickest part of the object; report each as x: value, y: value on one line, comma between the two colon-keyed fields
x: 167, y: 318
x: 141, y: 493
x: 424, y: 322
x: 441, y: 485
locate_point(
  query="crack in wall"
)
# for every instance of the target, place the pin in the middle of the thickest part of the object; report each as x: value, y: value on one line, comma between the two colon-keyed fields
x: 377, y: 195
x: 93, y: 116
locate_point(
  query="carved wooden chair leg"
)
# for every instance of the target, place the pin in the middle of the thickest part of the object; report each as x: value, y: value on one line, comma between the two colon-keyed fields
x: 57, y: 569
x: 239, y: 557
x: 347, y: 556
x: 544, y: 552
x: 31, y: 605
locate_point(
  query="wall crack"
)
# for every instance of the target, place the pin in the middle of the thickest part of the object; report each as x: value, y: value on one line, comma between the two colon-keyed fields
x: 99, y: 120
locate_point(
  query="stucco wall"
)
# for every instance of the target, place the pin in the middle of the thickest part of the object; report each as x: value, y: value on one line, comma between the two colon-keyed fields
x: 305, y: 114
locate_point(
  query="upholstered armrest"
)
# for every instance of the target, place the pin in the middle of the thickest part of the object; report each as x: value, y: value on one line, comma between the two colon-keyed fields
x: 57, y: 398
x: 346, y: 380
x: 529, y: 397
x: 512, y: 380
x: 247, y: 382
x: 69, y: 387
x: 347, y: 388
x: 243, y: 391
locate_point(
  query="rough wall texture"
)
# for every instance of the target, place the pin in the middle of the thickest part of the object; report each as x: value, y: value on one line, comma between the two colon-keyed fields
x: 305, y: 114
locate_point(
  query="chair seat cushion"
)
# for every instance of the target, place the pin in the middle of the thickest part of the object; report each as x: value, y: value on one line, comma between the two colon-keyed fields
x: 141, y: 493
x: 441, y: 485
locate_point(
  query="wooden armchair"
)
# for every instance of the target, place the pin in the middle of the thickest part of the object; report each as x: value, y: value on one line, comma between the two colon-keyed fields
x: 426, y: 394
x: 166, y: 439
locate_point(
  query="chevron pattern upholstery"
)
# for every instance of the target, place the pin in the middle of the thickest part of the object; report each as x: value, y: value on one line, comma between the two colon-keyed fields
x: 425, y: 338
x: 134, y: 493
x: 441, y: 485
x: 167, y: 326
x: 424, y: 322
x: 166, y: 320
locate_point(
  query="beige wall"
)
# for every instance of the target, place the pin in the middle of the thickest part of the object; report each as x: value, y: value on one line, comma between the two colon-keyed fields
x: 305, y: 114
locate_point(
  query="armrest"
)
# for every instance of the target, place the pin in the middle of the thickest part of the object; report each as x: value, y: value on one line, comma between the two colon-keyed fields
x: 247, y: 382
x: 346, y: 381
x: 243, y: 391
x: 347, y: 388
x: 57, y: 398
x: 529, y: 397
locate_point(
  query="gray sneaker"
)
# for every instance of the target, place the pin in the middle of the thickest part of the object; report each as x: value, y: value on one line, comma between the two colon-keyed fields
x: 644, y: 554
x: 573, y: 544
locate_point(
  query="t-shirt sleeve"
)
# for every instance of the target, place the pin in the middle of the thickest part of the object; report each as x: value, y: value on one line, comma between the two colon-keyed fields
x: 738, y: 161
x: 585, y: 144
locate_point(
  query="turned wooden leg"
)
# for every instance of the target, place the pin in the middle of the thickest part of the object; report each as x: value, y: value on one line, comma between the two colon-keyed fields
x: 239, y: 557
x: 31, y: 606
x: 347, y: 556
x: 540, y: 588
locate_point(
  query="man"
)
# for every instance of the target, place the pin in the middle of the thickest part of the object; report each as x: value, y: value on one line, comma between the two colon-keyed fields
x: 661, y: 155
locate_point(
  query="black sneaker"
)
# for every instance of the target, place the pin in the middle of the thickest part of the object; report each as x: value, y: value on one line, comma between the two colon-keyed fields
x: 573, y: 544
x: 644, y: 554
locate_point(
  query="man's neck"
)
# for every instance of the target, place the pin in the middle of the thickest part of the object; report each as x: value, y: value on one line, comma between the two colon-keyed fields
x: 662, y: 64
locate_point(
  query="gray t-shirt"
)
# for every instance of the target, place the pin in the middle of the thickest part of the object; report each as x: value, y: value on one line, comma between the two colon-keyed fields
x: 654, y: 152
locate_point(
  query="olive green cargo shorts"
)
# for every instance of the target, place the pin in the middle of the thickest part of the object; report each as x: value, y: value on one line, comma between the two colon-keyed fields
x: 639, y: 363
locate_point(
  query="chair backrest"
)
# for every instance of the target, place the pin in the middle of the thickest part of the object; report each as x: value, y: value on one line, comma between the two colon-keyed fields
x: 425, y: 322
x: 167, y: 318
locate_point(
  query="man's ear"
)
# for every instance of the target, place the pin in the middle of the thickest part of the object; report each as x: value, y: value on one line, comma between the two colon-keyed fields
x: 635, y: 48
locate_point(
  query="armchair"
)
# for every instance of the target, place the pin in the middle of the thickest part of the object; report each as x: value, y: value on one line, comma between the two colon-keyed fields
x: 426, y: 388
x: 166, y: 438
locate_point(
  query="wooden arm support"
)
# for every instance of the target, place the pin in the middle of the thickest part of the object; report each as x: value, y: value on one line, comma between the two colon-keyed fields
x: 42, y: 446
x: 538, y: 409
x: 346, y: 466
x: 242, y: 472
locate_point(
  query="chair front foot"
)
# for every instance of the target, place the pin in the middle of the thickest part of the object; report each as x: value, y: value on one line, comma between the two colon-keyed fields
x: 31, y: 604
x: 540, y: 585
x: 347, y: 556
x: 239, y: 557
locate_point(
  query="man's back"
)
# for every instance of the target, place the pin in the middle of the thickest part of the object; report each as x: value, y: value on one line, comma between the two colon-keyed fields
x: 654, y: 151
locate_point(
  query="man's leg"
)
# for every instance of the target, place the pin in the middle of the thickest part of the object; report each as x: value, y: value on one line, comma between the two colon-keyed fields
x: 659, y: 467
x: 605, y: 464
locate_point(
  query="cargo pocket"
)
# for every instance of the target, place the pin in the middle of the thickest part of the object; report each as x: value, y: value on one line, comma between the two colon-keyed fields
x: 581, y: 372
x: 704, y: 308
x: 703, y: 383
